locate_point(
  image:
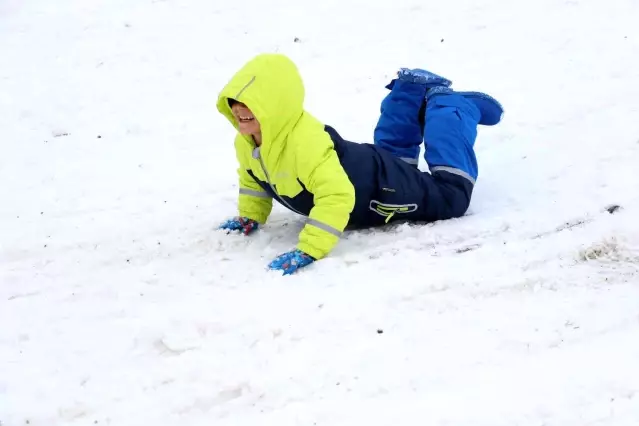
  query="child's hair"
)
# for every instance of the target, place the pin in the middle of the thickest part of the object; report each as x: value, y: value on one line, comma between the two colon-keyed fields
x: 232, y: 102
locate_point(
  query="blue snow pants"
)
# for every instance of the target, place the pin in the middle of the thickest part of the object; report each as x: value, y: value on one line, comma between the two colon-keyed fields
x: 388, y: 184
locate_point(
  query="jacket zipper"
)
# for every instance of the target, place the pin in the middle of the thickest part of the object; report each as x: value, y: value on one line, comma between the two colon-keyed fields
x: 268, y: 179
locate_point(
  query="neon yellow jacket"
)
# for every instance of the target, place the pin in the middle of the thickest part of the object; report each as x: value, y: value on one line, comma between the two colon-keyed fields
x: 295, y: 148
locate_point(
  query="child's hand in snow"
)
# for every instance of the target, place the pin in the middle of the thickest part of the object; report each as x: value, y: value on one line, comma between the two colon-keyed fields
x: 291, y: 261
x: 242, y: 224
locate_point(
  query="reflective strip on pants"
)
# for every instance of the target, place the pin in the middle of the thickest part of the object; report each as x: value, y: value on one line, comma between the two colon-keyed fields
x: 412, y: 161
x: 454, y: 171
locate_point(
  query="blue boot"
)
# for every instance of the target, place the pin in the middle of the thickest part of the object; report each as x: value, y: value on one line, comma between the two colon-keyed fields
x: 490, y: 109
x: 427, y: 78
x: 419, y: 76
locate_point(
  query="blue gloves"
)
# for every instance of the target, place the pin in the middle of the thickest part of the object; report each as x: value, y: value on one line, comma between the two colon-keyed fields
x: 291, y: 261
x: 287, y: 262
x: 242, y: 224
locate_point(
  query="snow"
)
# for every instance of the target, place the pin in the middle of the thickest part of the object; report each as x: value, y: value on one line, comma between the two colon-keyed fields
x: 121, y: 304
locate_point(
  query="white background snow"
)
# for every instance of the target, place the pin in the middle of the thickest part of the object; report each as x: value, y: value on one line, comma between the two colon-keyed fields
x: 121, y: 304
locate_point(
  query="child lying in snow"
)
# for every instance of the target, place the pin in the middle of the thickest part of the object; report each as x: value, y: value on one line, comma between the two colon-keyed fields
x: 288, y: 155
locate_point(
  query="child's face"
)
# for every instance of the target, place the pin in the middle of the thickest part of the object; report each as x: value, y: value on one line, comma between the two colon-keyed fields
x: 246, y: 121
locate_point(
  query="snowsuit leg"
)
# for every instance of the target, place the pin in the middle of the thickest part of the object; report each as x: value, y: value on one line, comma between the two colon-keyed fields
x: 448, y: 124
x: 388, y: 189
x: 400, y: 126
x: 449, y: 135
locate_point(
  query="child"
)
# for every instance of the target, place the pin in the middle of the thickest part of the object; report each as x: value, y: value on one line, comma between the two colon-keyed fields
x: 286, y: 154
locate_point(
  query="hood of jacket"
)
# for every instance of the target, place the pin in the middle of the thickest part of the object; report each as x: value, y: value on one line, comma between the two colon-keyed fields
x: 270, y: 85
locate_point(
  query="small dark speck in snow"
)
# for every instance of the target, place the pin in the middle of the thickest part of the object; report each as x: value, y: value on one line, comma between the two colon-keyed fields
x: 612, y: 209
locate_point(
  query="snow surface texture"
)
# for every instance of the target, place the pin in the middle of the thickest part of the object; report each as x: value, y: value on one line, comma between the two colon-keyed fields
x: 120, y: 303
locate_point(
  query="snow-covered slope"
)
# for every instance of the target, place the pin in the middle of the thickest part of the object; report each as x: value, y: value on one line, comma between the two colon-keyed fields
x: 121, y: 304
